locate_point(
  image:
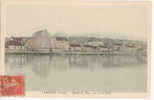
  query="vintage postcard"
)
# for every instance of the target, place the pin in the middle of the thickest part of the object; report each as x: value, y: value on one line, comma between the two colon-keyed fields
x: 75, y: 48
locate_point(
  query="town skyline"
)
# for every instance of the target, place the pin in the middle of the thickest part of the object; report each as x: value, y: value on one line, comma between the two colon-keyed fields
x: 42, y: 41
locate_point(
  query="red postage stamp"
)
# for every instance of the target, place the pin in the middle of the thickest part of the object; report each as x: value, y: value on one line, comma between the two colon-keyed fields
x: 11, y: 85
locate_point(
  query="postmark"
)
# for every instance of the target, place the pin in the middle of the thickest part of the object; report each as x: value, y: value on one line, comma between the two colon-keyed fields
x: 11, y: 85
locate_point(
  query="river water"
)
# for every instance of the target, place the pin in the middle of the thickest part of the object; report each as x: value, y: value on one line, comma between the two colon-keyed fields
x: 79, y: 72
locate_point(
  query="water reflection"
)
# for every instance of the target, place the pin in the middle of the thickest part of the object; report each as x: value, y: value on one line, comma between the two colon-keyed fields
x: 117, y: 73
x: 64, y: 62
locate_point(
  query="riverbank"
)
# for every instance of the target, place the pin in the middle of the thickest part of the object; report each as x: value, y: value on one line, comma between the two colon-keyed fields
x: 73, y: 53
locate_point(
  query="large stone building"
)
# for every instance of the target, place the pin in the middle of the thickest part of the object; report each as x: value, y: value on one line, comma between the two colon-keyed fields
x: 39, y: 41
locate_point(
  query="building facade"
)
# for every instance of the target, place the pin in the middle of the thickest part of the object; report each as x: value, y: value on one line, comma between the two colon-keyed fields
x: 40, y: 41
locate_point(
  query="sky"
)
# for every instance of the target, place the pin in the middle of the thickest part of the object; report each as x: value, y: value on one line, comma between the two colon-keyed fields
x: 126, y: 22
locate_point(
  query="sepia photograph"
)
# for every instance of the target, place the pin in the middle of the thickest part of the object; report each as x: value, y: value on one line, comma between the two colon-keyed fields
x: 80, y: 49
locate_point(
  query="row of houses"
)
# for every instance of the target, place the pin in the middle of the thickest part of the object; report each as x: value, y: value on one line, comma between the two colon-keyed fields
x: 41, y: 40
x: 16, y: 42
